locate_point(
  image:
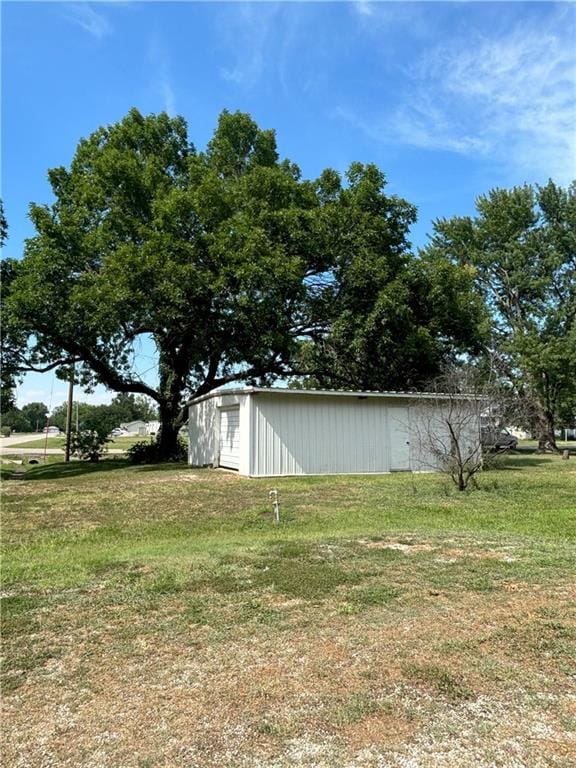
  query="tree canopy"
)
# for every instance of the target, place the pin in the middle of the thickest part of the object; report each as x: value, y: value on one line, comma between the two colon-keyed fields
x: 394, y: 320
x: 11, y: 342
x: 234, y: 266
x: 29, y: 418
x: 522, y: 246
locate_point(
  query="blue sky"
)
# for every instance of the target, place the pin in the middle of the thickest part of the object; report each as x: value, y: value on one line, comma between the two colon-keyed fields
x: 449, y: 99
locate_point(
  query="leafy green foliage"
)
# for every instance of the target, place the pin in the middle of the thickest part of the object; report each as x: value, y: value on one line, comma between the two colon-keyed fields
x: 16, y: 420
x: 229, y: 262
x: 126, y: 407
x: 36, y: 413
x: 104, y: 418
x: 3, y: 225
x: 30, y: 418
x: 392, y: 320
x: 522, y: 249
x: 7, y: 382
x: 205, y: 252
x: 148, y: 452
x: 13, y: 339
x: 88, y: 444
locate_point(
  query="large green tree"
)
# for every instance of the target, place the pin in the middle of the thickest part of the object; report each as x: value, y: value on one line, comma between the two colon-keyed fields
x: 16, y: 420
x: 206, y: 254
x: 36, y: 413
x: 234, y: 267
x: 103, y: 418
x: 11, y: 342
x: 98, y: 418
x: 392, y: 320
x: 522, y: 246
x: 127, y: 407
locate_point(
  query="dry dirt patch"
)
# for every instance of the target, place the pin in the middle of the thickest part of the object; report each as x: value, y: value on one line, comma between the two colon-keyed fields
x: 335, y: 690
x: 448, y: 553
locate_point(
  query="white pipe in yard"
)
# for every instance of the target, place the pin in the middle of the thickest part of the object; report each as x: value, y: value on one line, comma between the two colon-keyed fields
x: 273, y: 494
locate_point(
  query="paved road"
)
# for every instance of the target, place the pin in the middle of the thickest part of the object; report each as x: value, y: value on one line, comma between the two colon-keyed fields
x: 30, y: 451
x: 6, y: 448
x: 6, y: 442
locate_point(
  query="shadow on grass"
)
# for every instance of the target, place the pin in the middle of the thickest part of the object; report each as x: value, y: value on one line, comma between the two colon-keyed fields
x: 524, y: 450
x: 61, y: 470
x: 161, y: 467
x: 511, y: 461
x: 6, y: 473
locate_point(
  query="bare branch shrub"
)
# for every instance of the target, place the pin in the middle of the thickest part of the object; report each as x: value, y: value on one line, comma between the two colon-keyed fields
x: 447, y: 431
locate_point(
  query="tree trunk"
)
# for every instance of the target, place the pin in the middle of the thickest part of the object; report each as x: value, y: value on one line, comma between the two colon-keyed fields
x: 167, y: 438
x: 547, y: 438
x: 169, y: 406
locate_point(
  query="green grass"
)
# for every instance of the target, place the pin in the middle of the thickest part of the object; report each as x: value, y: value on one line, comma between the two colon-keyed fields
x: 142, y: 512
x: 122, y: 442
x: 379, y: 599
x: 561, y: 444
x: 441, y: 680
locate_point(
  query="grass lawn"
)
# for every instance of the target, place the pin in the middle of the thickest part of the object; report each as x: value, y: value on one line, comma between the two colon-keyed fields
x: 532, y: 445
x: 156, y: 616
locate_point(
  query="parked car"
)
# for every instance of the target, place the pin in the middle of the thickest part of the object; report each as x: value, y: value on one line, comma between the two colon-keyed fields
x: 498, y: 440
x: 118, y: 432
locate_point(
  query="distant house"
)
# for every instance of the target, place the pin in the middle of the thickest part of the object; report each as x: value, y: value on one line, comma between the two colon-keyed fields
x: 269, y: 432
x: 140, y: 427
x: 51, y: 430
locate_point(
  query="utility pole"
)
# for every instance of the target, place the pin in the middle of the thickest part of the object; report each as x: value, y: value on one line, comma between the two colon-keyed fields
x: 69, y: 413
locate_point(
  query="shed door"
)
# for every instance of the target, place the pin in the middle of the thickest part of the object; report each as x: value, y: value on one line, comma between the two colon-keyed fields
x: 230, y: 438
x: 399, y: 430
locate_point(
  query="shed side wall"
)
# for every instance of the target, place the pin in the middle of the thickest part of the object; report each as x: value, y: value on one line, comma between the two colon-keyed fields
x: 317, y: 435
x: 204, y: 430
x: 202, y: 433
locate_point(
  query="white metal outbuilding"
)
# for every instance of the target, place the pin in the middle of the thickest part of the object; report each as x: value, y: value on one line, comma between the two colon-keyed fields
x: 270, y: 432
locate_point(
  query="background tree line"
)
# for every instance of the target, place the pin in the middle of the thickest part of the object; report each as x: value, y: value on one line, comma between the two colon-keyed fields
x: 102, y: 419
x: 239, y: 270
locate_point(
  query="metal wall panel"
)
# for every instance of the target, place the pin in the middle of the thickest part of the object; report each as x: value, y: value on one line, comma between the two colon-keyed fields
x: 399, y: 435
x: 316, y: 435
x: 202, y: 434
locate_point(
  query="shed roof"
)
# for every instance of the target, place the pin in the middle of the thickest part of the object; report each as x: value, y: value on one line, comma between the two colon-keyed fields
x: 364, y: 394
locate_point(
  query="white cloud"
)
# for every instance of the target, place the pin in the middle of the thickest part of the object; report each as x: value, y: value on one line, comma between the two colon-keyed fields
x: 364, y: 7
x: 510, y: 98
x: 246, y: 31
x: 257, y: 40
x: 84, y: 16
x: 161, y: 81
x: 513, y: 98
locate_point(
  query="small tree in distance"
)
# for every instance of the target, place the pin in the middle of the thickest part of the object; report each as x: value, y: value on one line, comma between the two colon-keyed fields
x: 88, y: 444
